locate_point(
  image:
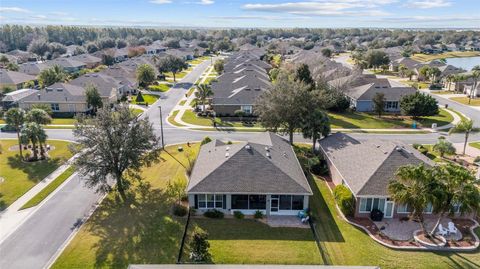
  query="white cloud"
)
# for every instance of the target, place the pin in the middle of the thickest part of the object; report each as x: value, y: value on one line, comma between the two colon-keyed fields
x: 424, y: 19
x: 425, y: 4
x: 206, y: 2
x: 39, y: 17
x: 14, y: 10
x: 254, y: 17
x: 325, y: 7
x: 160, y: 2
x: 59, y: 13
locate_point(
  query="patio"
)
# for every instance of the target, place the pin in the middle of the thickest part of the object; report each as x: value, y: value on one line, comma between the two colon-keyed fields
x: 284, y: 221
x: 397, y: 229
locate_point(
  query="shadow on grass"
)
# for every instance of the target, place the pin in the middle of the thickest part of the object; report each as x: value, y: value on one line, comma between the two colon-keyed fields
x: 141, y: 231
x: 36, y: 171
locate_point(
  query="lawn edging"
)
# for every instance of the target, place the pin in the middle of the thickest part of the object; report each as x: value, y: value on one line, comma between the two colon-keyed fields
x: 422, y: 248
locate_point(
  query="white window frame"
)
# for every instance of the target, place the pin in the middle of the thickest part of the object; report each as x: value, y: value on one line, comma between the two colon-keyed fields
x: 217, y: 199
x: 55, y: 106
x: 363, y: 201
x: 247, y: 109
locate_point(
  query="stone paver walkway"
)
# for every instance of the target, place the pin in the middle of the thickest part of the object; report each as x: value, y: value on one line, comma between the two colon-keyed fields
x: 284, y: 221
x: 470, y: 151
x: 403, y: 230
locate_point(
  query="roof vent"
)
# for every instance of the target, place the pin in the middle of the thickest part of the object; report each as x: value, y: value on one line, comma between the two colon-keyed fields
x: 247, y: 146
x: 284, y: 154
x: 267, y: 149
x: 268, y: 154
x: 227, y: 155
x: 227, y: 149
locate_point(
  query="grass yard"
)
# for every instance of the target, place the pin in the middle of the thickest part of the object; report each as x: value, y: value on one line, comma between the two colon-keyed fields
x: 209, y: 80
x: 172, y: 121
x: 64, y: 121
x: 190, y: 91
x: 178, y: 76
x: 144, y: 232
x: 464, y: 100
x: 343, y: 244
x: 420, y: 85
x: 356, y: 120
x: 181, y: 103
x: 452, y: 54
x: 163, y: 87
x: 475, y: 145
x: 248, y: 241
x: 136, y: 111
x: 190, y: 117
x: 462, y: 117
x: 37, y: 199
x: 21, y: 176
x: 148, y: 99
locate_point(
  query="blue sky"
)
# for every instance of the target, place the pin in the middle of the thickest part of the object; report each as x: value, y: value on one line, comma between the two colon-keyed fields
x: 246, y: 13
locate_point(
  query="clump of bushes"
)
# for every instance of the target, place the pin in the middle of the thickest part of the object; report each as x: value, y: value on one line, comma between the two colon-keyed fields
x: 180, y: 210
x: 214, y: 214
x: 238, y: 214
x: 206, y: 140
x: 258, y: 214
x: 344, y: 198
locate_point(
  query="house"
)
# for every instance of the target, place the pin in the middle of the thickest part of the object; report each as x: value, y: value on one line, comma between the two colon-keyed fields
x: 124, y: 75
x: 23, y: 56
x: 65, y: 98
x: 243, y: 81
x: 406, y: 61
x: 155, y: 48
x: 11, y: 99
x: 14, y: 79
x: 108, y: 87
x: 183, y: 53
x: 262, y: 174
x: 33, y: 68
x: 361, y: 89
x: 367, y: 167
x: 90, y: 61
x: 469, y: 90
x: 69, y: 65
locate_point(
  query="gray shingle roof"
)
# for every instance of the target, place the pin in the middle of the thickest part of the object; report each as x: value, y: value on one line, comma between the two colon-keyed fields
x: 66, y: 63
x: 368, y: 166
x: 33, y: 68
x: 59, y: 93
x: 13, y: 77
x: 104, y: 84
x: 368, y: 91
x: 248, y: 169
x: 17, y: 95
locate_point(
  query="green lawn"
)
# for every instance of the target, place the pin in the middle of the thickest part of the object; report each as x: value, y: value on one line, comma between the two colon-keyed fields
x: 64, y: 121
x: 181, y: 103
x: 475, y: 145
x: 144, y: 232
x: 136, y: 111
x: 355, y: 120
x: 178, y: 76
x: 171, y: 119
x: 21, y: 176
x: 49, y: 188
x: 462, y: 117
x: 464, y: 100
x: 190, y: 91
x: 190, y: 117
x: 249, y: 241
x: 163, y: 87
x: 452, y: 54
x: 209, y: 80
x: 343, y: 244
x: 420, y: 85
x: 148, y: 99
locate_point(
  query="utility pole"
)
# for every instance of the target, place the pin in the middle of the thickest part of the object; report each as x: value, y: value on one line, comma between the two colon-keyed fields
x: 161, y: 126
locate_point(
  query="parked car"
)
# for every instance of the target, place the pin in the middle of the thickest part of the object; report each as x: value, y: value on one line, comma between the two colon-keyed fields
x: 7, y: 128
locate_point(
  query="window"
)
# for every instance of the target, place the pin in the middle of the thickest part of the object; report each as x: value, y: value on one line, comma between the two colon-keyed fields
x: 285, y: 202
x: 391, y: 105
x: 257, y: 201
x: 404, y: 209
x: 456, y: 208
x: 369, y: 204
x: 247, y: 109
x: 428, y: 209
x: 239, y: 201
x: 210, y: 200
x: 297, y: 202
x: 55, y: 107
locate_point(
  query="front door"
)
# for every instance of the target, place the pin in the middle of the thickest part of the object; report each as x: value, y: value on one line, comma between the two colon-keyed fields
x: 274, y: 204
x: 388, y: 209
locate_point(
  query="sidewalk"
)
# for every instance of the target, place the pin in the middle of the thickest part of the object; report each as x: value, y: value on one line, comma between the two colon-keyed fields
x: 470, y: 151
x: 12, y: 217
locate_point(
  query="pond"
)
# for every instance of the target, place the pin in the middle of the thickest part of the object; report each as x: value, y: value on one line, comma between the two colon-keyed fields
x: 466, y: 63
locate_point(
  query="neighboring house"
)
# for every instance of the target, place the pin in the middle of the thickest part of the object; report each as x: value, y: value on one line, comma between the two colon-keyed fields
x: 126, y: 77
x: 90, y: 61
x: 119, y: 55
x: 68, y: 64
x: 109, y: 88
x: 61, y: 97
x: 11, y: 99
x: 469, y: 88
x: 33, y: 68
x: 407, y: 62
x: 243, y: 81
x: 14, y: 79
x: 23, y: 56
x: 260, y: 175
x: 183, y: 53
x: 361, y: 97
x: 154, y: 49
x: 367, y: 167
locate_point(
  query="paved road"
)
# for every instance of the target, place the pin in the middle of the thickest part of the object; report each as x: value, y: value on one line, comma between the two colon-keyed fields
x: 36, y: 241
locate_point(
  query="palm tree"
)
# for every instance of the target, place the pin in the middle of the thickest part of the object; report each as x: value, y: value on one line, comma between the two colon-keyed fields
x: 414, y: 187
x: 16, y: 117
x: 316, y: 124
x: 40, y: 117
x: 33, y: 132
x: 475, y: 75
x: 464, y: 126
x: 450, y: 78
x: 202, y: 94
x: 457, y: 187
x: 444, y: 147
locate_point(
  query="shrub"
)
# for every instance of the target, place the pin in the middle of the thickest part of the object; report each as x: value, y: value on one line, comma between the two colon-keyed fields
x: 206, y: 140
x: 423, y: 150
x: 213, y: 214
x: 477, y: 159
x: 416, y: 146
x: 179, y: 210
x: 238, y: 214
x: 258, y: 214
x: 229, y: 142
x: 344, y: 198
x: 199, y: 246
